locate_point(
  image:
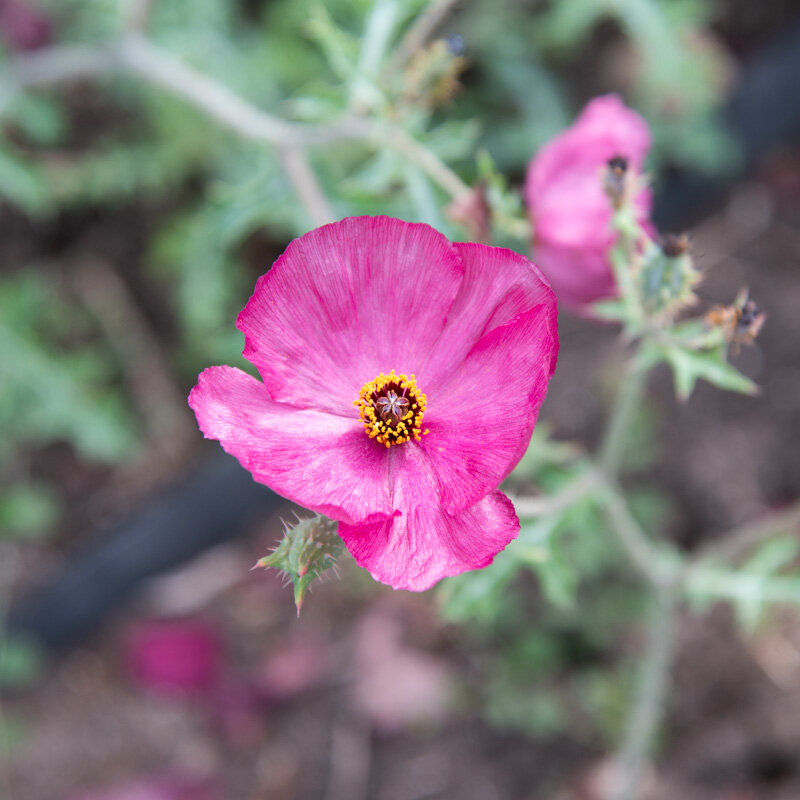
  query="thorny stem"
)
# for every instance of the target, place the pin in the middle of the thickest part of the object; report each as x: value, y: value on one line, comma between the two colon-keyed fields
x: 529, y: 507
x: 301, y: 174
x: 650, y: 698
x: 657, y: 566
x: 137, y: 55
x: 738, y: 541
x: 612, y: 448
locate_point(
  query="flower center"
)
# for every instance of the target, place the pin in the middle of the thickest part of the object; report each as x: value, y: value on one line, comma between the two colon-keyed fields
x: 391, y: 408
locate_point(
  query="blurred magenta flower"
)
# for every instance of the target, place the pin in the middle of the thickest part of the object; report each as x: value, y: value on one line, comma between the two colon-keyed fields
x: 569, y: 209
x: 402, y: 377
x: 166, y: 787
x: 23, y: 25
x: 175, y: 657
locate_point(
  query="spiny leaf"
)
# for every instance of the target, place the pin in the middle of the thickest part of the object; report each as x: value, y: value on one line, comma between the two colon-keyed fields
x: 688, y: 366
x: 307, y: 549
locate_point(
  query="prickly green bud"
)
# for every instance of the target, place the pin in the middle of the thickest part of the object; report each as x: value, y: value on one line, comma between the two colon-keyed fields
x: 667, y: 277
x: 431, y: 79
x: 307, y: 549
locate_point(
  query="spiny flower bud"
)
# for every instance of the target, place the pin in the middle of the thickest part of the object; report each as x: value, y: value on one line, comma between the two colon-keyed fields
x: 667, y: 277
x: 431, y: 79
x: 307, y: 549
x: 674, y: 245
x: 456, y: 44
x: 617, y: 181
x: 740, y: 322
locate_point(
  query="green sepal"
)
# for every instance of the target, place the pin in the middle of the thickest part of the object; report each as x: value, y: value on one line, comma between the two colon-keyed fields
x: 307, y: 549
x: 688, y: 366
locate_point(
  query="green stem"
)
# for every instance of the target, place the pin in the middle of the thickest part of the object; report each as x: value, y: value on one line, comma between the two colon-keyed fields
x: 658, y: 565
x: 612, y: 448
x: 650, y: 699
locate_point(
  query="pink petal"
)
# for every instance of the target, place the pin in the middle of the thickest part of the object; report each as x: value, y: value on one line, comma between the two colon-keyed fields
x: 179, y: 657
x: 605, y: 128
x: 570, y: 212
x: 481, y: 419
x: 321, y: 461
x: 345, y: 302
x: 579, y: 276
x: 23, y: 25
x: 166, y: 787
x: 426, y: 544
x: 498, y: 285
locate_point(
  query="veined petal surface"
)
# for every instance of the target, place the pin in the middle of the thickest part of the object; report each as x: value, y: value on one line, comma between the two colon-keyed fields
x: 425, y: 543
x: 481, y: 418
x: 498, y: 285
x: 319, y: 460
x: 345, y: 302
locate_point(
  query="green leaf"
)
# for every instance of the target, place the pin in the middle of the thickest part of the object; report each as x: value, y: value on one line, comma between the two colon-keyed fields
x: 340, y: 48
x: 688, y: 366
x: 544, y: 452
x: 21, y: 182
x: 20, y: 663
x: 307, y: 549
x: 27, y: 510
x: 481, y: 596
x: 766, y: 578
x: 610, y: 310
x: 57, y: 383
x: 40, y: 118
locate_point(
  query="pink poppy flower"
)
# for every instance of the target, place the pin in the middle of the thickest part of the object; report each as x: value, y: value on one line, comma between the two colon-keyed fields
x: 402, y: 377
x: 569, y: 209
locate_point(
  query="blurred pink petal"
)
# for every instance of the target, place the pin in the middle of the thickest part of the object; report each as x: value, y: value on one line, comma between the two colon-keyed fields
x: 569, y: 209
x: 168, y: 787
x: 23, y: 25
x: 397, y: 686
x: 175, y: 657
x: 238, y: 713
x: 293, y: 668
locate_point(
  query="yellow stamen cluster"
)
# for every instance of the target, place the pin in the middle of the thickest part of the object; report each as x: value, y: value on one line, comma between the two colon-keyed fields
x: 380, y: 425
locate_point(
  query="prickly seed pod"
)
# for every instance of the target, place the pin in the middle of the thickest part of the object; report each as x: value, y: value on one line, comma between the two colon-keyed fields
x: 674, y: 245
x: 667, y: 278
x: 431, y: 79
x: 617, y: 181
x: 308, y: 548
x: 456, y: 44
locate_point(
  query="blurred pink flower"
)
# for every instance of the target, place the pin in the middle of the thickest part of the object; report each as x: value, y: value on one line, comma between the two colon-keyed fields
x: 292, y: 668
x: 569, y: 209
x: 175, y: 657
x: 167, y: 787
x: 23, y: 25
x: 360, y: 330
